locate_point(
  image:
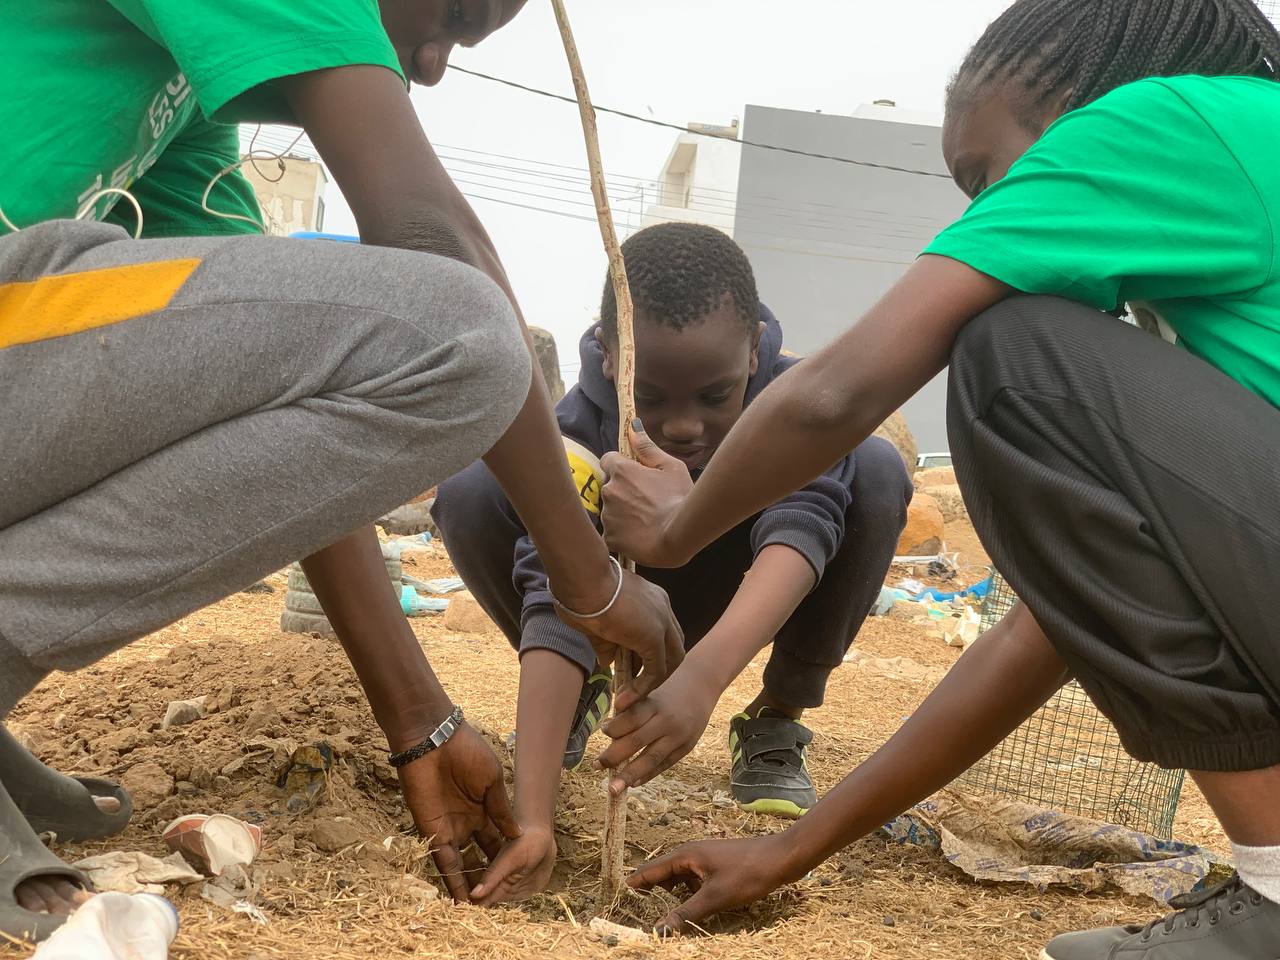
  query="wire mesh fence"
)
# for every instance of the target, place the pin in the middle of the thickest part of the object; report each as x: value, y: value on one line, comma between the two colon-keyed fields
x: 1272, y: 9
x: 1068, y: 757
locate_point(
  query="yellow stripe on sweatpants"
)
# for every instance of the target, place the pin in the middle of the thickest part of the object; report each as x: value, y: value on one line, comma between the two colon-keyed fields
x: 67, y: 303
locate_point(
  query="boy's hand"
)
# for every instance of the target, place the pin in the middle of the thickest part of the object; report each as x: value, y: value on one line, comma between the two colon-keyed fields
x: 458, y: 799
x: 661, y: 728
x: 522, y: 869
x: 640, y: 499
x: 723, y: 874
x: 641, y: 621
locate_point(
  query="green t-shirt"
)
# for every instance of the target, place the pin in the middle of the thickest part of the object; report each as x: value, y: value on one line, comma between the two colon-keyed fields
x: 1164, y: 194
x: 147, y: 95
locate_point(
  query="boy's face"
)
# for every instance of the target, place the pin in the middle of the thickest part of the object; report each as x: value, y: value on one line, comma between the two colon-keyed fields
x: 691, y: 383
x: 424, y: 32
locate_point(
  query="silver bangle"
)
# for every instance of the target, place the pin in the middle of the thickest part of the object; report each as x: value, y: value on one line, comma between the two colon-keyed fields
x: 603, y: 610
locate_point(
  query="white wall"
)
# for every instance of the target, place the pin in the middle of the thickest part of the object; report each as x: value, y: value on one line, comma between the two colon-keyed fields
x: 699, y: 183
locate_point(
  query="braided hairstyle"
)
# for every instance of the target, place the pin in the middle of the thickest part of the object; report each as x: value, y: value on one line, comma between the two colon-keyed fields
x: 681, y: 272
x: 1090, y: 47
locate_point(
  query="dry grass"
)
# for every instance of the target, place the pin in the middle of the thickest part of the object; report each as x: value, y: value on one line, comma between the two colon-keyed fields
x: 873, y: 900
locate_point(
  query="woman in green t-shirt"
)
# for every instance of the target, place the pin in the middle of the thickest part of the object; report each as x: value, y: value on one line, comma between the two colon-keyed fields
x: 1118, y: 152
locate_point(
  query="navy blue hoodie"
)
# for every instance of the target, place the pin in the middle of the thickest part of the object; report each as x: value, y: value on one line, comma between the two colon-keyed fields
x: 810, y: 521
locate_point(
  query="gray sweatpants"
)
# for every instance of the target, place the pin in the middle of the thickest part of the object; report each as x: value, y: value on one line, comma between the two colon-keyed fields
x: 269, y: 397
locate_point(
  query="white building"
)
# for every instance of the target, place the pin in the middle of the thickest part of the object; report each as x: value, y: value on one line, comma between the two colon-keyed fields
x: 292, y: 200
x: 826, y: 238
x: 699, y: 181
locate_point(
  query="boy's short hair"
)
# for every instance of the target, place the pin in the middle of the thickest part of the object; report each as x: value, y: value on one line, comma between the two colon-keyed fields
x: 681, y: 272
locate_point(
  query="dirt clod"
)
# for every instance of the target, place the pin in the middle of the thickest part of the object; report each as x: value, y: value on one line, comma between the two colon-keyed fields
x: 148, y: 783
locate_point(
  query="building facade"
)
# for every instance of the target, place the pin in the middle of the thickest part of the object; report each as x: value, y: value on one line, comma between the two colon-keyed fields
x: 826, y: 237
x: 292, y: 200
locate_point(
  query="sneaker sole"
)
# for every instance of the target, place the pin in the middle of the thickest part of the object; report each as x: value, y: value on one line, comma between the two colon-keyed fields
x: 776, y: 808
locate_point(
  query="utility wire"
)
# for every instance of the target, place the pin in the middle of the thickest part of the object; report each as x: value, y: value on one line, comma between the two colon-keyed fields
x: 701, y: 198
x: 685, y: 129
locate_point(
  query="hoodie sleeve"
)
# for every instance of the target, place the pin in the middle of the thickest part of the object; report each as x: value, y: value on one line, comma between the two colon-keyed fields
x: 811, y: 520
x: 539, y: 625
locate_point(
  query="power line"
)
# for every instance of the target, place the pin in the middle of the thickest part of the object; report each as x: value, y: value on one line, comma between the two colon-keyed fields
x: 685, y: 129
x: 701, y: 199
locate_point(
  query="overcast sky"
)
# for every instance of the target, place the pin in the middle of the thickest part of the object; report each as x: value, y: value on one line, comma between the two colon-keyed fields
x: 675, y: 60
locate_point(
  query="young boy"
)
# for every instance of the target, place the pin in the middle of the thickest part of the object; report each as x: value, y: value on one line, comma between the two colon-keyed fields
x: 801, y: 574
x: 269, y: 396
x: 1118, y: 151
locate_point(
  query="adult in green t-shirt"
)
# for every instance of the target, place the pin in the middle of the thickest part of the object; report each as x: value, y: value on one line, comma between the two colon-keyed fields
x: 1118, y: 152
x: 186, y: 412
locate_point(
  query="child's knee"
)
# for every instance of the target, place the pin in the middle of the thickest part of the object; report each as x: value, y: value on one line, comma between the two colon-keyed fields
x: 467, y: 503
x: 880, y: 478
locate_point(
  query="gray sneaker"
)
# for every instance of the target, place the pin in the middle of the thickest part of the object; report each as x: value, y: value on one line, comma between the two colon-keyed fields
x: 593, y: 706
x: 1231, y: 921
x: 768, y: 773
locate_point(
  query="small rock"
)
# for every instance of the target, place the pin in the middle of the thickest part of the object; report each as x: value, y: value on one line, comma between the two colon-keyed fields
x: 465, y: 615
x: 890, y: 922
x: 201, y: 775
x: 418, y: 888
x: 223, y: 700
x: 263, y: 717
x: 223, y: 785
x: 181, y: 712
x: 331, y: 836
x: 1036, y: 915
x: 122, y: 741
x: 148, y: 783
x: 908, y: 610
x: 184, y: 788
x: 260, y: 587
x: 611, y: 934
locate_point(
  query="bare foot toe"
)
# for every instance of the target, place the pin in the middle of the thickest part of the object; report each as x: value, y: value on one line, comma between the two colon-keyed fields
x: 50, y: 895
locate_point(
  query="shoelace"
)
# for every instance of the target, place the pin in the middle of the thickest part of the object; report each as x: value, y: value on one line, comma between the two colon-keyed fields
x: 1192, y: 907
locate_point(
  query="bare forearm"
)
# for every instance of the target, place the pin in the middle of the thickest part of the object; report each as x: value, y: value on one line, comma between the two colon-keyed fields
x: 549, y: 688
x: 350, y: 580
x: 1000, y: 681
x: 779, y: 579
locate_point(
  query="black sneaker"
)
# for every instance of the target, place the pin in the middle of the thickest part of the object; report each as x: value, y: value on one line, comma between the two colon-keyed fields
x: 1231, y: 921
x: 769, y: 774
x: 593, y: 706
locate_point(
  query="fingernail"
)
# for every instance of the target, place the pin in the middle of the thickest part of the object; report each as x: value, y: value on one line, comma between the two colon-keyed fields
x: 477, y: 892
x: 636, y: 425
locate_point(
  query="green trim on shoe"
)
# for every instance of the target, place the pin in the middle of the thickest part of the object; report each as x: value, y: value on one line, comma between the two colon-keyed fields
x: 775, y: 808
x: 593, y: 706
x: 769, y: 772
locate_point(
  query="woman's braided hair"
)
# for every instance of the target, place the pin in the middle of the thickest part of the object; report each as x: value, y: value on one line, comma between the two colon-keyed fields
x: 1090, y: 47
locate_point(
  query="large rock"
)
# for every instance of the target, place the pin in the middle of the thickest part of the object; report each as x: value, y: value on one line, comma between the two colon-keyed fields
x: 896, y: 431
x: 922, y: 536
x: 544, y: 346
x: 949, y: 501
x: 935, y: 477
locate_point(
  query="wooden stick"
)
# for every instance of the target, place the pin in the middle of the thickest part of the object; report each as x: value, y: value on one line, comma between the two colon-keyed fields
x: 615, y: 825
